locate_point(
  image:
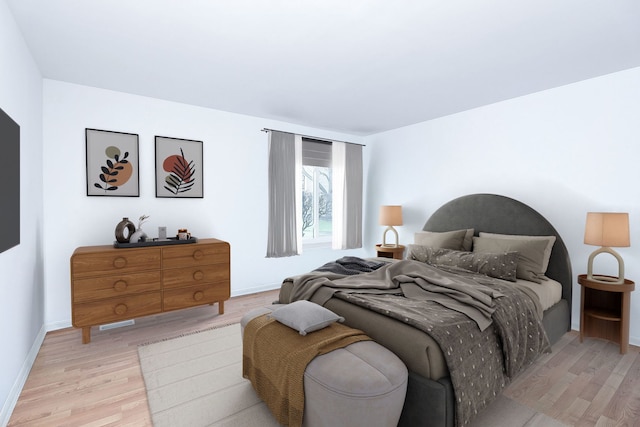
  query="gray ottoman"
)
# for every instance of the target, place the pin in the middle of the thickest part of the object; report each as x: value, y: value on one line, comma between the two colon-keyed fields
x: 361, y: 384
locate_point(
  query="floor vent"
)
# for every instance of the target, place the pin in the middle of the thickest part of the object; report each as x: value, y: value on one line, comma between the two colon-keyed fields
x: 117, y: 324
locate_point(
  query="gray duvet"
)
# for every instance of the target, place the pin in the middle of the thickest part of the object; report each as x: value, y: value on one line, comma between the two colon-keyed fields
x: 488, y: 329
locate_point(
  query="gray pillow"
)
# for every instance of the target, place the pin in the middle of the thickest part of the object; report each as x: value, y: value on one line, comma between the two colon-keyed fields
x: 531, y: 254
x: 547, y: 252
x: 305, y: 316
x: 447, y: 239
x: 498, y: 265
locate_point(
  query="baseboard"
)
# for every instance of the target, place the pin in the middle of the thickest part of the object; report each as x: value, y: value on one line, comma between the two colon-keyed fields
x: 14, y: 393
x: 255, y: 290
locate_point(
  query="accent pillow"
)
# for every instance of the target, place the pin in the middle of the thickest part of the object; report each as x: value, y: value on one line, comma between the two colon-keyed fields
x: 547, y: 252
x: 531, y: 254
x: 305, y: 316
x: 498, y: 265
x: 447, y: 239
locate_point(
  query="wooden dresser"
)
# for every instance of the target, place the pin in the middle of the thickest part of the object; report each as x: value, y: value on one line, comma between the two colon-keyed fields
x: 112, y: 284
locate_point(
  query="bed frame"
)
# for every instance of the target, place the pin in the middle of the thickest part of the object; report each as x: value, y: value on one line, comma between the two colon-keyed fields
x: 430, y: 397
x: 494, y: 214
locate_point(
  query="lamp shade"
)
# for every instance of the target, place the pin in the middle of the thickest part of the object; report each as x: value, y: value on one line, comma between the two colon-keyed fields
x: 390, y: 215
x: 609, y: 229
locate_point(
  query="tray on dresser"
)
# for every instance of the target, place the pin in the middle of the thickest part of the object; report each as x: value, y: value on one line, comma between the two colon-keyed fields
x: 168, y: 241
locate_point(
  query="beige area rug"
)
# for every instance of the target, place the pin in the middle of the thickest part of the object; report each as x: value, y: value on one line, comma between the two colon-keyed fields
x: 196, y: 380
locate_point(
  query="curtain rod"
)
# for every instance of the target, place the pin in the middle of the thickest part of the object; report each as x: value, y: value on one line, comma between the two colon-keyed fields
x: 309, y: 136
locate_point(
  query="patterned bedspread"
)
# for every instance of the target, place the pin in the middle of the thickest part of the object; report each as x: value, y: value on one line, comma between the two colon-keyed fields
x: 481, y: 361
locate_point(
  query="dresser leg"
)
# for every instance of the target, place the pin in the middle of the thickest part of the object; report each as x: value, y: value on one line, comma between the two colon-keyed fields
x: 86, y: 335
x: 220, y: 307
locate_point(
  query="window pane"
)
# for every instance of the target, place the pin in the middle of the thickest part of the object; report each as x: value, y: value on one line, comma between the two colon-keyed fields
x: 316, y: 202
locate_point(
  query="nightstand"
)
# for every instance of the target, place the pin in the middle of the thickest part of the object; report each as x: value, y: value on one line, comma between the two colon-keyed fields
x: 390, y: 251
x: 604, y: 311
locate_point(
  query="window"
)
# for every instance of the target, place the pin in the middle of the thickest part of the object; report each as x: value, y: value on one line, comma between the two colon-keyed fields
x: 324, y: 177
x: 317, y: 193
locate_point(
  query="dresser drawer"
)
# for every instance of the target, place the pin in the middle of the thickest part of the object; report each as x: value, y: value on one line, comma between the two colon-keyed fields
x: 195, y: 254
x: 195, y: 295
x: 180, y: 277
x: 94, y: 288
x: 116, y: 309
x: 120, y: 260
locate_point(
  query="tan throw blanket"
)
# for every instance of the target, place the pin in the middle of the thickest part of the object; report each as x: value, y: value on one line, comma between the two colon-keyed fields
x: 274, y: 358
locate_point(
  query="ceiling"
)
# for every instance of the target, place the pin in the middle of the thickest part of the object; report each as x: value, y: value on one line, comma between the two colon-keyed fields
x: 353, y: 66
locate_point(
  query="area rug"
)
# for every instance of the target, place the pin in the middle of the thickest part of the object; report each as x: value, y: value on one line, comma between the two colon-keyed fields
x: 196, y: 380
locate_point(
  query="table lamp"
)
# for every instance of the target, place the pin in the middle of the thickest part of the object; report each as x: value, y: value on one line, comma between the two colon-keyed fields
x: 390, y: 216
x: 606, y: 229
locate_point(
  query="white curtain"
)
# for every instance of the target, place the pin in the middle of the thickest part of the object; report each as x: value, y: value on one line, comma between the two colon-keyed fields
x: 285, y: 205
x: 347, y: 195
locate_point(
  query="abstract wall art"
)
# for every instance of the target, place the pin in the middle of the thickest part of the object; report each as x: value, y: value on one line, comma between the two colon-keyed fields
x: 112, y: 163
x: 178, y: 168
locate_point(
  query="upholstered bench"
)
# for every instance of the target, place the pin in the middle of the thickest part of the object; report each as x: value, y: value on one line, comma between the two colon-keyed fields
x: 360, y: 384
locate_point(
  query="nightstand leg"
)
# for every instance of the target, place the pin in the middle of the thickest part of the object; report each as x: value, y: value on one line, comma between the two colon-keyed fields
x: 624, y: 322
x: 86, y: 334
x: 220, y: 307
x: 582, y: 325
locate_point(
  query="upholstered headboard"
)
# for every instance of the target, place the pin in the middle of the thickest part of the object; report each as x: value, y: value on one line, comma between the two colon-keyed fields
x: 499, y: 214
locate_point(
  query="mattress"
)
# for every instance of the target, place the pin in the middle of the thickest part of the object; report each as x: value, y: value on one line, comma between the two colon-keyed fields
x: 419, y: 351
x: 549, y: 291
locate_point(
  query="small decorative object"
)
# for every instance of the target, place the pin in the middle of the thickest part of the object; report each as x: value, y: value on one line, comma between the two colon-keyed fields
x: 178, y: 168
x: 183, y: 234
x: 124, y: 225
x: 390, y: 216
x: 139, y: 235
x: 112, y: 163
x: 162, y: 233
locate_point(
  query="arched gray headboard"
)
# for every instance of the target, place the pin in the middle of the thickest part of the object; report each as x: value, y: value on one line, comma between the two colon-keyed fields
x: 499, y: 214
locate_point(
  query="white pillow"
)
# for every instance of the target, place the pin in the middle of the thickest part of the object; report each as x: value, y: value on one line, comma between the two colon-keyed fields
x: 305, y: 316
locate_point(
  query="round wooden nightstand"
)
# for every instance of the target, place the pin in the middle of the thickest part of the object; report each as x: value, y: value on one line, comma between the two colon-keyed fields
x: 390, y: 251
x: 604, y: 310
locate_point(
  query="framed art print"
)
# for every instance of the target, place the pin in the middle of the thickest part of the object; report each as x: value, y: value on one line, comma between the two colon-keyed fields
x: 178, y: 168
x: 112, y: 163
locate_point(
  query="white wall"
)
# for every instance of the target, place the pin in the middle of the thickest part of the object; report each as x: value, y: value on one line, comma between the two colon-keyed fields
x: 564, y: 152
x: 21, y: 282
x: 234, y: 207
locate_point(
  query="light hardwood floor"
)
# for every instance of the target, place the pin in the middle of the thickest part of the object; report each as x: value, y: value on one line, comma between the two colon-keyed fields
x: 100, y: 384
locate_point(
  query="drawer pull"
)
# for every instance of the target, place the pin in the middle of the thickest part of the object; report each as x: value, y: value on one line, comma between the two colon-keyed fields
x: 119, y: 262
x: 197, y: 296
x: 120, y: 309
x: 198, y: 275
x: 198, y: 255
x: 120, y: 285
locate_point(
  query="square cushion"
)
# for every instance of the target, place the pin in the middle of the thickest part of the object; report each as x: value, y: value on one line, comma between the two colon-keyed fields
x: 305, y: 316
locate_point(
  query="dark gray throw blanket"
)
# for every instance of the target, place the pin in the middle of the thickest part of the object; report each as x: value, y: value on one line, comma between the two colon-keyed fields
x: 350, y: 265
x: 481, y: 361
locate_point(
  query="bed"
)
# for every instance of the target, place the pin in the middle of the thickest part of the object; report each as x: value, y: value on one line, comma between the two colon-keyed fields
x: 431, y: 400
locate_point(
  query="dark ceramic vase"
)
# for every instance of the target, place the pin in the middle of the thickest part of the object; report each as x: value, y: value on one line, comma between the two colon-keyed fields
x: 124, y: 230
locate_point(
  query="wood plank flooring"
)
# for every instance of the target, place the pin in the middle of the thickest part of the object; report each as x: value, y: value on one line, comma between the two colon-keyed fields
x: 100, y: 384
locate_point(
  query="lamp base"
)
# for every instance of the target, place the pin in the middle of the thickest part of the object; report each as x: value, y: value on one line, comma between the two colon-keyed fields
x: 609, y: 280
x: 606, y: 280
x: 384, y: 238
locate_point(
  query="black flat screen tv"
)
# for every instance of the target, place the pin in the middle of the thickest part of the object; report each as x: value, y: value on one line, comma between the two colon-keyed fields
x: 9, y: 182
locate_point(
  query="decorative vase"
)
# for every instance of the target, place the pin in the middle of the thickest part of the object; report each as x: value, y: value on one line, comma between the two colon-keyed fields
x: 125, y: 225
x: 138, y: 236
